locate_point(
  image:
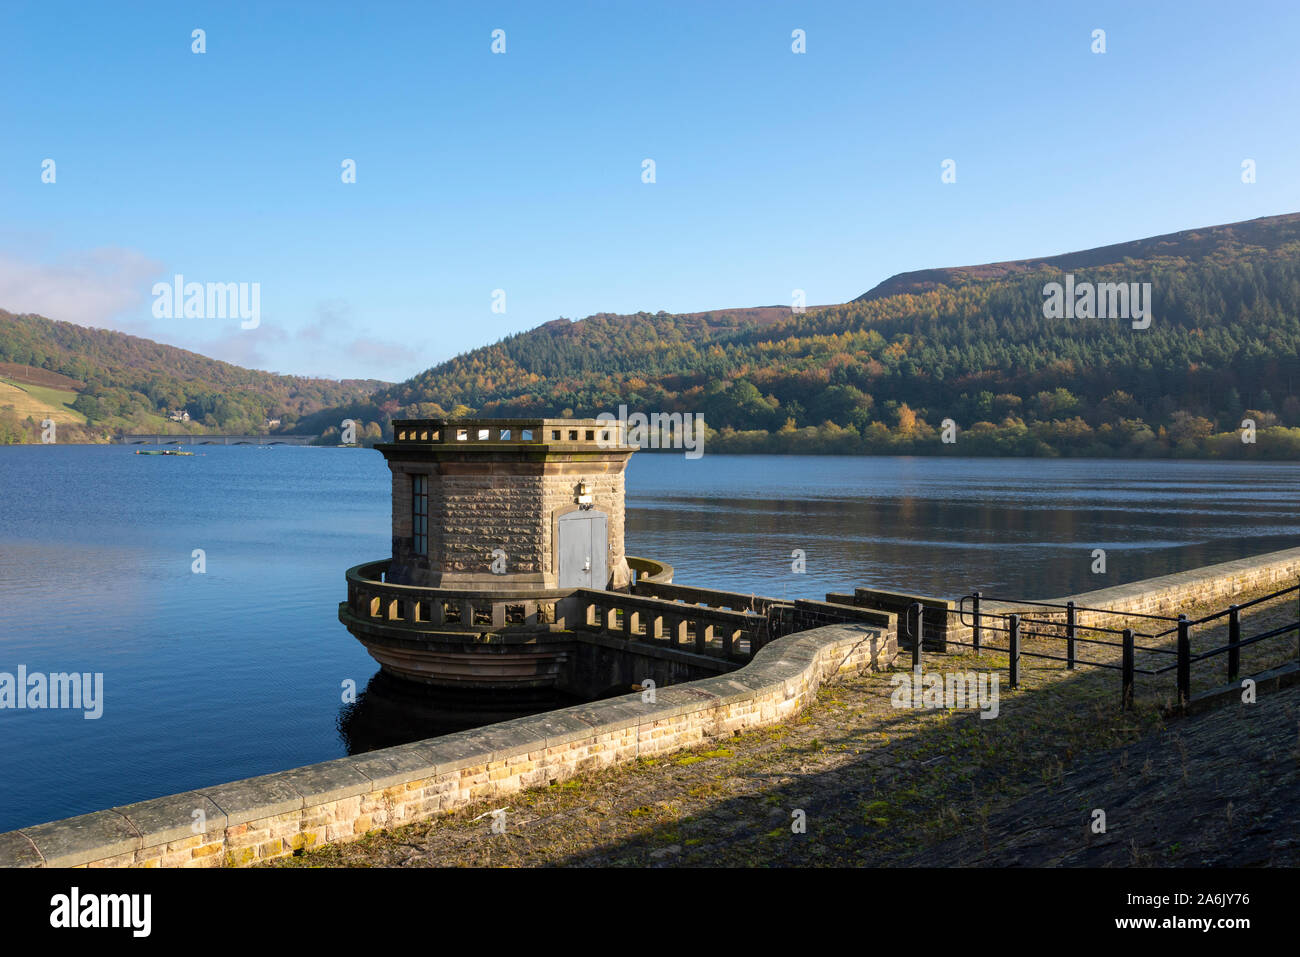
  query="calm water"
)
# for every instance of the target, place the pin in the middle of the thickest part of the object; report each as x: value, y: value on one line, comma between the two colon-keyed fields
x: 238, y: 671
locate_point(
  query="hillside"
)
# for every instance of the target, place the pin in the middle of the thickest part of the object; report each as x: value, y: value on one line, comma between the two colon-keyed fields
x: 97, y: 382
x: 881, y: 373
x: 38, y: 402
x: 1194, y: 245
x: 878, y: 374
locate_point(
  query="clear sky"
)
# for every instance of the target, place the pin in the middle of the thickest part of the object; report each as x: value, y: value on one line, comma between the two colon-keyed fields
x: 522, y: 171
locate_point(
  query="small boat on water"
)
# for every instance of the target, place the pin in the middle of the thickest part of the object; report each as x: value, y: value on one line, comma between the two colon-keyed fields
x: 161, y: 452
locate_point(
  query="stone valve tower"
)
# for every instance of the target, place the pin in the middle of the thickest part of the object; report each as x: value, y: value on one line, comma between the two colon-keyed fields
x: 496, y: 522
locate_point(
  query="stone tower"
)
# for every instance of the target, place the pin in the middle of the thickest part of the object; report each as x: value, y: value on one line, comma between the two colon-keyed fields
x: 508, y: 503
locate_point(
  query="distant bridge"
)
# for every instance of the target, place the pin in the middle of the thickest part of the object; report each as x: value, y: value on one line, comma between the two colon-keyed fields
x: 153, y: 438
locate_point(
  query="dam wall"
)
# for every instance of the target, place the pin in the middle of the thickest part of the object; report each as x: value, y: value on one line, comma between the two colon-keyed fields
x: 285, y: 813
x: 281, y: 814
x: 1211, y: 584
x: 1169, y: 595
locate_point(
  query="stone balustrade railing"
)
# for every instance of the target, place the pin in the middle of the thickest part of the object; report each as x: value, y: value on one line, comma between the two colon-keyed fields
x: 511, y: 432
x: 648, y: 571
x: 420, y: 607
x: 732, y: 635
x: 674, y: 616
x: 447, y: 609
x: 712, y: 597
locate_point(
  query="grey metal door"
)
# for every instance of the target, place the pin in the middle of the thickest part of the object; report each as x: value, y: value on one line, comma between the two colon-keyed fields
x: 583, y: 550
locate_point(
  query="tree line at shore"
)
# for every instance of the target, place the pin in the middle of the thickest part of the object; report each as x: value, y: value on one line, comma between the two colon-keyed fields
x: 1218, y: 363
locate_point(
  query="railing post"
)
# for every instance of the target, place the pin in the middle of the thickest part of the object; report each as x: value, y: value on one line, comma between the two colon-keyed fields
x: 1184, y: 660
x: 1234, y: 641
x: 1013, y: 635
x: 1126, y: 691
x: 914, y: 625
x: 975, y: 628
x: 1070, y: 623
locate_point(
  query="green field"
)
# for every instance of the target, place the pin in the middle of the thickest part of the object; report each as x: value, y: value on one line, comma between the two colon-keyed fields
x: 39, y: 400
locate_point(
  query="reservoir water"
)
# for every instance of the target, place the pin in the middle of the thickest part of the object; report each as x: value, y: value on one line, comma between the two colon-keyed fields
x: 240, y: 670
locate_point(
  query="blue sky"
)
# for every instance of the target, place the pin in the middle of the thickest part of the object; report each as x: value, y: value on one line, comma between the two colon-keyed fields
x: 522, y: 171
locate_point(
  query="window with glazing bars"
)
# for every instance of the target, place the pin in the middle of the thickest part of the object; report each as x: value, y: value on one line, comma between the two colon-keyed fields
x: 420, y: 514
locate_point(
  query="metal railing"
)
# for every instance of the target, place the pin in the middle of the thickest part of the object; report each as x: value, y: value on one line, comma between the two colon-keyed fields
x: 1061, y: 622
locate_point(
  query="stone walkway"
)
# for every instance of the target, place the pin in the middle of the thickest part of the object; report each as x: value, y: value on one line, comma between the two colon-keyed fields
x: 872, y: 784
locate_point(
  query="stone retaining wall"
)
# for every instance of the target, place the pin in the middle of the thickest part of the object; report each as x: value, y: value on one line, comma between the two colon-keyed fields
x: 278, y: 814
x: 1164, y: 595
x: 1212, y: 584
x: 1169, y: 595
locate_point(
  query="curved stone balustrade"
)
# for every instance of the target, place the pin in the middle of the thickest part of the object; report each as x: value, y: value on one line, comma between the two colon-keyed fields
x: 516, y: 637
x: 649, y: 571
x: 370, y: 599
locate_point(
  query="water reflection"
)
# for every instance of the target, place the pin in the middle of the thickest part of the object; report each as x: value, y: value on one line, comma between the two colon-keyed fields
x: 389, y: 712
x: 947, y: 527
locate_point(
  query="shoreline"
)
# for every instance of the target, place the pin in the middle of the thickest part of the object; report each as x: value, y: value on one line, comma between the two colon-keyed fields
x: 916, y: 454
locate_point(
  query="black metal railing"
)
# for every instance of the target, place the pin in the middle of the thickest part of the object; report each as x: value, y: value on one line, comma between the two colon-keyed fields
x: 1019, y: 619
